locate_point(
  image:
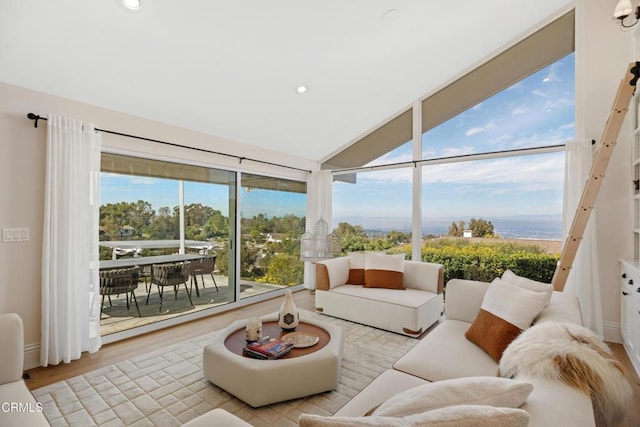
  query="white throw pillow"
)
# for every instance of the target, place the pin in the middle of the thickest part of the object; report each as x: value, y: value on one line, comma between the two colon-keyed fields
x: 458, y: 416
x: 506, y: 311
x: 490, y: 391
x: 523, y: 282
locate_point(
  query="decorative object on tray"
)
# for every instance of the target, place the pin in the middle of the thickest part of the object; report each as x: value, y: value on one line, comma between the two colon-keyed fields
x: 253, y: 330
x: 267, y: 348
x: 300, y: 339
x: 288, y: 317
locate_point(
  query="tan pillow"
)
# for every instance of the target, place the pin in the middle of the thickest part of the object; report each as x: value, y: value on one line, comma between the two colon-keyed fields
x: 490, y: 391
x: 458, y: 416
x: 506, y: 311
x: 356, y: 268
x: 383, y: 271
x: 523, y: 282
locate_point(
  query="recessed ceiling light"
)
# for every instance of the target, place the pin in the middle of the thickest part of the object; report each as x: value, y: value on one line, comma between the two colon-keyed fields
x: 132, y: 4
x: 302, y: 89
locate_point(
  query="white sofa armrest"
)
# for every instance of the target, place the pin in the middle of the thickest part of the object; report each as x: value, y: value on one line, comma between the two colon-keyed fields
x: 331, y: 273
x: 425, y: 276
x: 463, y: 299
x: 12, y: 348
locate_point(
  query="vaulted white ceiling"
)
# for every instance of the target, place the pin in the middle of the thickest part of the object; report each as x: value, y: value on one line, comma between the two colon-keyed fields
x: 231, y: 68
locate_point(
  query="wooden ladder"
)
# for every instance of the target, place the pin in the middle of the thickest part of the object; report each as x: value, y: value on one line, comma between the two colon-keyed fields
x: 598, y: 168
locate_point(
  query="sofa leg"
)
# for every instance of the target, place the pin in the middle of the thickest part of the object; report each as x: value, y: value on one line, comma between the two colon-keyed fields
x: 319, y: 309
x: 410, y: 332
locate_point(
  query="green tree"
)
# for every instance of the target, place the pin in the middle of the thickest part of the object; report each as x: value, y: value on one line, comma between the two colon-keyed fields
x: 481, y: 228
x: 352, y: 237
x: 284, y: 269
x: 456, y: 229
x: 115, y: 216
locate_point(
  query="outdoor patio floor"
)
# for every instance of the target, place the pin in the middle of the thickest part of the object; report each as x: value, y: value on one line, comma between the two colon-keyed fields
x: 116, y: 317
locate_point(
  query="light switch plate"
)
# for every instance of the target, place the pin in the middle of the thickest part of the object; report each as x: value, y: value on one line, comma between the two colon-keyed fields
x: 15, y: 234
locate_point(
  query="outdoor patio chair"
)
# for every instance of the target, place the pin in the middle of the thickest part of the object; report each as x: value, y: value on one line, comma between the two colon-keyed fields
x: 174, y: 275
x: 203, y: 266
x: 119, y: 281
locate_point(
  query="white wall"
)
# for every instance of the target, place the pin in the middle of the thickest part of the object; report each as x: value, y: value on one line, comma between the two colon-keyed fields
x: 603, y: 52
x: 22, y: 164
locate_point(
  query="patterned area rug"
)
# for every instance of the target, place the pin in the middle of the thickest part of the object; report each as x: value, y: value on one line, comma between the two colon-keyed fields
x: 167, y: 388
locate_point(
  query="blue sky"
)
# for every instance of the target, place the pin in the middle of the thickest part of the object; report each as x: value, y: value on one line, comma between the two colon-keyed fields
x: 159, y: 192
x: 536, y: 111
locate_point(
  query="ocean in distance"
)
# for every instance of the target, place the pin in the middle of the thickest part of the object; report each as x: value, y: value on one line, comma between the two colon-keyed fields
x: 547, y: 227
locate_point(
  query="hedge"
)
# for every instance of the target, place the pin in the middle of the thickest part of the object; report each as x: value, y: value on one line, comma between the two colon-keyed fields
x: 486, y: 261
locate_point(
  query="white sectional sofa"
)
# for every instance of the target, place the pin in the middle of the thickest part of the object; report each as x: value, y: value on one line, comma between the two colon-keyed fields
x: 18, y: 407
x: 409, y: 310
x: 445, y: 353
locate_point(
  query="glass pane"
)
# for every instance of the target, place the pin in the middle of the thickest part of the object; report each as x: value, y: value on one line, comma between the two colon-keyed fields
x: 520, y: 196
x: 272, y: 221
x: 374, y: 212
x: 534, y: 112
x: 175, y: 216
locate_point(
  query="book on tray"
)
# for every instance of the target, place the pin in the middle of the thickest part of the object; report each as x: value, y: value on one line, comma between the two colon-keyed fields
x: 267, y: 348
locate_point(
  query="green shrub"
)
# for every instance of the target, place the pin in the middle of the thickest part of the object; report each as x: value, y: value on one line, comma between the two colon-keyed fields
x: 484, y: 261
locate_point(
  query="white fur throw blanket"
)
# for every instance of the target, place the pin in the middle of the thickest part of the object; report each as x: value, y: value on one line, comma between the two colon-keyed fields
x: 574, y: 355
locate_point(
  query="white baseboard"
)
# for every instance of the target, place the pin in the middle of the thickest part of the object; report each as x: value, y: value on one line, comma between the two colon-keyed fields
x: 31, y: 356
x: 612, y: 332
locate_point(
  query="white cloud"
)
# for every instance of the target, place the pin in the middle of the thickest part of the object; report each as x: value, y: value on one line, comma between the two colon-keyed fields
x: 474, y: 131
x: 143, y: 180
x: 519, y: 110
x: 477, y: 106
x: 552, y: 75
x: 538, y: 92
x: 479, y: 129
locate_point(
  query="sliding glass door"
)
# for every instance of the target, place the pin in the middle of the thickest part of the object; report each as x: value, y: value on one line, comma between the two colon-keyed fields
x: 152, y: 208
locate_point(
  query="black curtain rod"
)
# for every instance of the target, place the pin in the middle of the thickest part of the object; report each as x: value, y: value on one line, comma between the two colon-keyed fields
x: 36, y: 117
x: 460, y: 156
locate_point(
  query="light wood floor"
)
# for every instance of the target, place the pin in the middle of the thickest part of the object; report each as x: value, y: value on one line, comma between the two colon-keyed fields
x: 126, y: 349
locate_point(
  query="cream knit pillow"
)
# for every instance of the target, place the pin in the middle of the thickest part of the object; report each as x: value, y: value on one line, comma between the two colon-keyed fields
x: 490, y: 391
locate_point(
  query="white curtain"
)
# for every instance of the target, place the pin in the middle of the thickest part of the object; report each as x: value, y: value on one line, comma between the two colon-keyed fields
x: 70, y: 288
x: 584, y: 278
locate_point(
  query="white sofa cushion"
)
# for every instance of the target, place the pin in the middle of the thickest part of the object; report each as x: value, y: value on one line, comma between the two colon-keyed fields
x: 506, y: 311
x: 563, y: 307
x: 523, y: 282
x: 491, y: 391
x: 408, y: 298
x: 445, y: 353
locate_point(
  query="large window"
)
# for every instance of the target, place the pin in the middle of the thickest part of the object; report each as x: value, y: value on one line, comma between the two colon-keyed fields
x: 519, y: 194
x: 495, y: 170
x: 158, y: 212
x: 272, y: 221
x: 373, y: 211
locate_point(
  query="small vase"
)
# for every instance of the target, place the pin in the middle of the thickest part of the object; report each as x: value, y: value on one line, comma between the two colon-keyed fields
x: 253, y: 331
x: 288, y: 318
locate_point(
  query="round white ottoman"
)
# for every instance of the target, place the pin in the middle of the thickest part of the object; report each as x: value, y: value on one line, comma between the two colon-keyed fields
x: 261, y: 382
